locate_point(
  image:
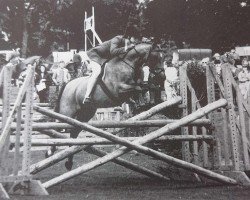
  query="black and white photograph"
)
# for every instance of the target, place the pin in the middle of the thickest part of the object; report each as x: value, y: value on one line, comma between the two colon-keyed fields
x: 125, y: 99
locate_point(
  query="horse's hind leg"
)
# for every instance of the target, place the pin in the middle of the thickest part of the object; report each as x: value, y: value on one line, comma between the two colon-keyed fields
x: 73, y: 134
x: 83, y: 115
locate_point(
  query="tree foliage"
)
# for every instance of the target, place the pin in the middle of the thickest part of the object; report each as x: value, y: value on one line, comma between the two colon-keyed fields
x: 50, y: 24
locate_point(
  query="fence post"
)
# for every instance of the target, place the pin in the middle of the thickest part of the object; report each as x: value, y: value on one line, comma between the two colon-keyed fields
x: 231, y: 114
x: 211, y: 98
x: 183, y: 94
x: 6, y: 109
x: 5, y: 81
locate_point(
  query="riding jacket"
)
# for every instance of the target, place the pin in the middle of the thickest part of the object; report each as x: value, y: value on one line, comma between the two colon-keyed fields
x: 107, y: 50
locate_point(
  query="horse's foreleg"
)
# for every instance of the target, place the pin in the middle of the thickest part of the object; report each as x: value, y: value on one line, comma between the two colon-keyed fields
x: 73, y: 134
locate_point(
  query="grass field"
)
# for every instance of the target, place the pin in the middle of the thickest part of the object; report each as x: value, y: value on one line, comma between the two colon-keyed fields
x: 111, y: 181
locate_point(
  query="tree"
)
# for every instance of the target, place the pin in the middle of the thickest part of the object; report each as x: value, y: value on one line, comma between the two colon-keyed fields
x: 205, y: 24
x: 37, y: 25
x: 28, y: 21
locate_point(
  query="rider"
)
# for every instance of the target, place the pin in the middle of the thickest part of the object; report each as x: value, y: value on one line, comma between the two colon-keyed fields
x: 107, y: 50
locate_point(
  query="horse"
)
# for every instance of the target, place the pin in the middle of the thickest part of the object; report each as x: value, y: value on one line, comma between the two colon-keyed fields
x: 115, y: 86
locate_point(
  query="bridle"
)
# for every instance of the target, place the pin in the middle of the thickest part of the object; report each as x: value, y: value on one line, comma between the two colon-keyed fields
x: 156, y: 71
x: 146, y: 57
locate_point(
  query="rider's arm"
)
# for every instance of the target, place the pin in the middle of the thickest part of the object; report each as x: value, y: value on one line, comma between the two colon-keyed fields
x: 115, y: 48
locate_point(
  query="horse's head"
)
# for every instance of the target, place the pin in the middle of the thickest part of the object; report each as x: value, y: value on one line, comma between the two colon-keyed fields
x: 152, y: 57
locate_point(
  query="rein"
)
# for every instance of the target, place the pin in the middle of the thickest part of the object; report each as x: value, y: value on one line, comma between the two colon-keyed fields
x: 156, y: 72
x: 150, y: 50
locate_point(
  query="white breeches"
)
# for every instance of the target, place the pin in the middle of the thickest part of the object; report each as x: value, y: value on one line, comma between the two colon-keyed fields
x: 96, y: 70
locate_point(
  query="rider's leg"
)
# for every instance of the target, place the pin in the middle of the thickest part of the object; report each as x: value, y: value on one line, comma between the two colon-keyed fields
x: 96, y: 70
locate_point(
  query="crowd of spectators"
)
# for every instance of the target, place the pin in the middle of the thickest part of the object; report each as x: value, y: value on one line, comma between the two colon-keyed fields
x: 60, y: 73
x: 43, y: 78
x: 239, y: 66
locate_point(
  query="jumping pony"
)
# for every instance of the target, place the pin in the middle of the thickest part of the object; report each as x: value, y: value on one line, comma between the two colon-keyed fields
x: 115, y: 86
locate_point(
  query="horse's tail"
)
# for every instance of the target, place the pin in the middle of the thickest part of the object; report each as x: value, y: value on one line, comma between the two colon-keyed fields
x: 57, y: 106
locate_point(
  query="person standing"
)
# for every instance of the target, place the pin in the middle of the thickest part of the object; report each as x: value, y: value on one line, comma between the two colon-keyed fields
x: 61, y: 76
x: 172, y: 79
x: 43, y: 81
x: 244, y: 79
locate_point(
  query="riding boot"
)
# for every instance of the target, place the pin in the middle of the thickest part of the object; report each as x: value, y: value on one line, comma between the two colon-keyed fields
x: 90, y: 86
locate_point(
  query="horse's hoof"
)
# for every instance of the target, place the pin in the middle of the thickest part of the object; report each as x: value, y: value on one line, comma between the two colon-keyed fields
x: 68, y: 165
x: 48, y: 153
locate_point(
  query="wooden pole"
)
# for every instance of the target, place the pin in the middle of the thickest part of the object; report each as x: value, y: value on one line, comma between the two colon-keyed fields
x: 216, y: 152
x: 5, y: 114
x: 37, y: 167
x: 28, y: 126
x: 17, y: 142
x: 137, y: 145
x: 156, y: 109
x: 128, y: 164
x: 6, y: 129
x: 85, y: 32
x: 67, y: 152
x: 226, y: 74
x: 184, y: 93
x: 37, y: 104
x: 54, y: 134
x: 115, y: 124
x: 103, y: 141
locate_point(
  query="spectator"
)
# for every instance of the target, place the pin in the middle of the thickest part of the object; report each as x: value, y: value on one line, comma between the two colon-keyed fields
x: 235, y: 57
x: 172, y: 79
x: 61, y: 76
x: 216, y: 59
x: 79, y: 66
x: 228, y: 58
x: 43, y: 81
x: 22, y: 77
x: 217, y: 63
x: 205, y: 61
x: 244, y: 78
